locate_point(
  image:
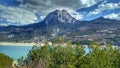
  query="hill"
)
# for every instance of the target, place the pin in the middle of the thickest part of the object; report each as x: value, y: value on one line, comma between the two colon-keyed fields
x: 5, y: 61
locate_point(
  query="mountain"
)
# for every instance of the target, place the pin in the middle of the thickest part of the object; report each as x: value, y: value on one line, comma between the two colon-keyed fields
x: 54, y: 18
x: 55, y: 23
x: 103, y: 22
x: 60, y: 23
x: 58, y: 16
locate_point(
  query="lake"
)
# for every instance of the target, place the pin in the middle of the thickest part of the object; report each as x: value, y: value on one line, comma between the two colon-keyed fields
x: 15, y: 52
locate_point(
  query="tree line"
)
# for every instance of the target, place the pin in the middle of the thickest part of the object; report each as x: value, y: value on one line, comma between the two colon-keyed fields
x: 71, y: 56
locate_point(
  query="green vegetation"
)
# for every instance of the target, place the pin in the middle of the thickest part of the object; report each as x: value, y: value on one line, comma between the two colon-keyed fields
x: 5, y: 61
x: 69, y: 56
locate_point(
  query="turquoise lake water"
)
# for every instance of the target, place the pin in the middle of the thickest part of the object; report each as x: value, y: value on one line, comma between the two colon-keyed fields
x: 16, y: 52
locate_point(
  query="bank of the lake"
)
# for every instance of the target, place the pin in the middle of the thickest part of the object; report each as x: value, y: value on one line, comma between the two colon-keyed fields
x: 16, y: 44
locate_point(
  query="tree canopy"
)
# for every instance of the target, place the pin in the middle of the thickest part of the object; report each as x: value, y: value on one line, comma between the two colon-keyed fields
x: 72, y: 56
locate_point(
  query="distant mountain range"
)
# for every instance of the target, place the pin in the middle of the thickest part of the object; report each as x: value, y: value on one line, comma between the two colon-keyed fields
x: 57, y: 23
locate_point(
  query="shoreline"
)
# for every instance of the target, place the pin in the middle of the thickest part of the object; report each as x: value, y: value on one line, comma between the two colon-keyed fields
x: 16, y: 44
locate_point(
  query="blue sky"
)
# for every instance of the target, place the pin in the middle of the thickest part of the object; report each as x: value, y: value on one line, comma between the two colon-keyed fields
x: 23, y: 12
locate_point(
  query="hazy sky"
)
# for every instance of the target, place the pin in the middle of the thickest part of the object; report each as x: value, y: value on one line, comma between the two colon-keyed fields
x: 22, y: 12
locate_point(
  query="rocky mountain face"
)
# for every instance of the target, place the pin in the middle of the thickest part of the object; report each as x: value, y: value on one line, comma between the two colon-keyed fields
x: 58, y: 16
x: 58, y: 23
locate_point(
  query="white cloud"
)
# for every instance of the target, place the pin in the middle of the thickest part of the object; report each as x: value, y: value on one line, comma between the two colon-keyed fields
x: 17, y: 15
x: 103, y: 7
x: 3, y: 24
x: 43, y: 7
x: 88, y: 3
x: 75, y: 14
x: 113, y: 16
x: 74, y: 3
x: 26, y: 13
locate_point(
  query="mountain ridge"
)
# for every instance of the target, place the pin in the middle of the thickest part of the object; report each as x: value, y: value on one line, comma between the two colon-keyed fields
x: 56, y: 24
